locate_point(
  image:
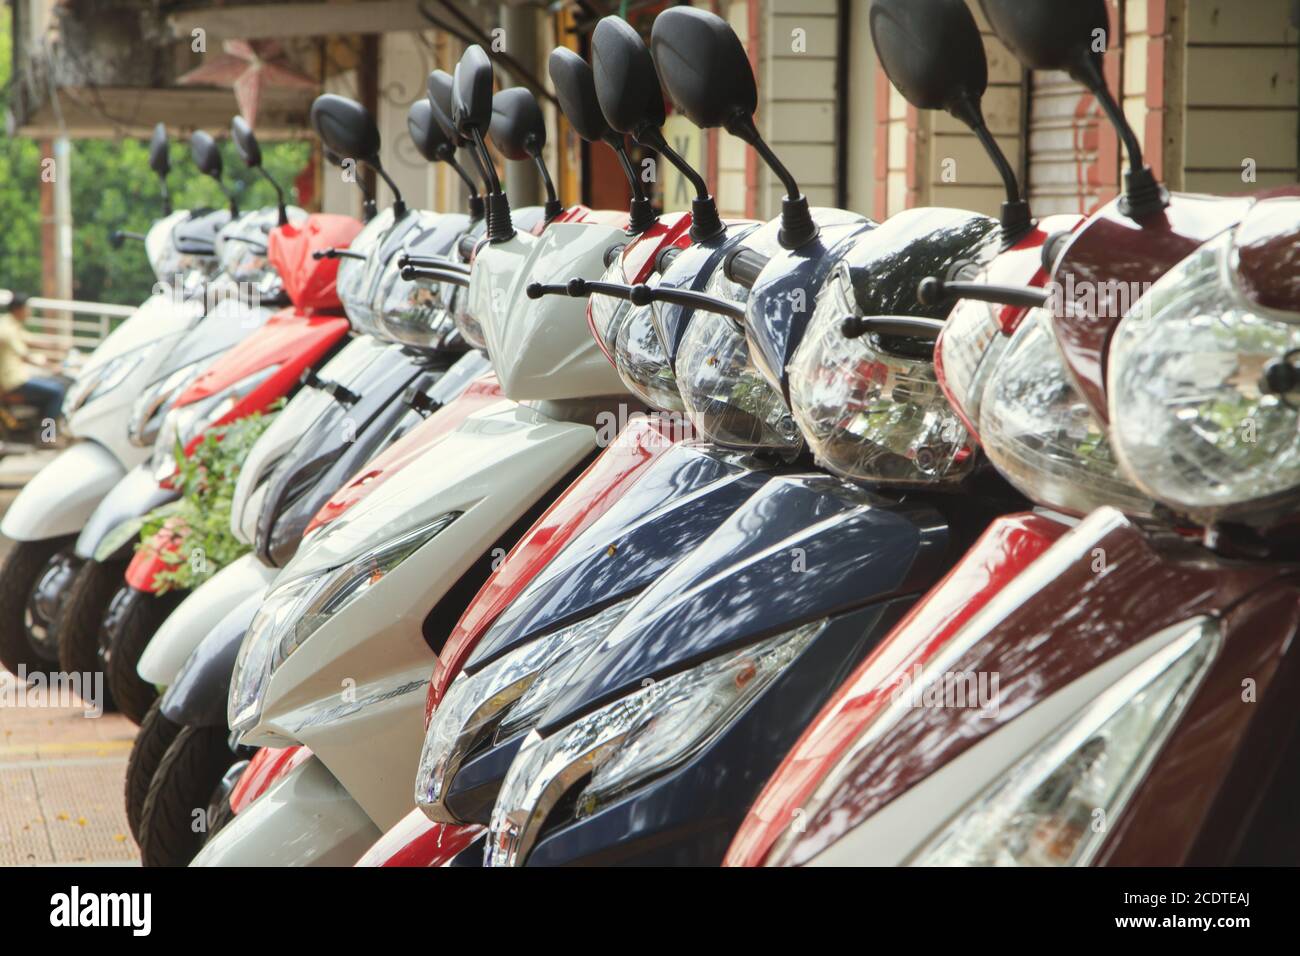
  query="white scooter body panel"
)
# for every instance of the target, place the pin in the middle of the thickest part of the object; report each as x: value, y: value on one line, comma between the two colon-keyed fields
x: 305, y: 818
x: 159, y: 324
x: 492, y: 470
x: 543, y: 349
x: 64, y: 494
x: 287, y: 428
x: 184, y: 629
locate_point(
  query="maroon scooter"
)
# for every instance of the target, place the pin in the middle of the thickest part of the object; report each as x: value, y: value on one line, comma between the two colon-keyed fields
x: 1121, y: 692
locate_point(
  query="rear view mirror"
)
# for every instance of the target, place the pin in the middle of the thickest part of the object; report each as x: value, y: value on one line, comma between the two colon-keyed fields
x: 471, y: 96
x: 627, y: 88
x: 160, y: 162
x: 246, y: 142
x: 159, y: 154
x: 251, y: 153
x: 346, y: 127
x: 471, y: 114
x: 707, y: 74
x: 1072, y: 37
x: 206, y: 154
x: 435, y: 146
x: 348, y: 130
x: 575, y: 88
x: 439, y: 86
x: 933, y: 53
x: 627, y: 84
x: 519, y: 130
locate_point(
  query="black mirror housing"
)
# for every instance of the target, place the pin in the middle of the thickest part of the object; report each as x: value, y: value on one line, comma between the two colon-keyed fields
x: 933, y: 53
x: 206, y: 154
x: 426, y: 133
x: 250, y: 151
x: 704, y: 67
x: 471, y: 95
x: 345, y: 127
x: 575, y: 88
x: 627, y: 83
x: 159, y: 154
x: 439, y: 87
x: 517, y: 128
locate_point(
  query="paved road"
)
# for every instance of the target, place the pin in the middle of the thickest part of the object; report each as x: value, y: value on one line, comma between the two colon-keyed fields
x: 61, y: 780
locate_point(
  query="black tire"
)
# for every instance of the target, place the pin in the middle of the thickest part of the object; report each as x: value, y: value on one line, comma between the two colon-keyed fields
x: 179, y: 796
x: 132, y: 619
x: 151, y: 743
x: 82, y: 616
x: 22, y: 568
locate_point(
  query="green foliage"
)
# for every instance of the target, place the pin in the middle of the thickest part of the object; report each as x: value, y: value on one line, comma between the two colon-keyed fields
x: 113, y: 188
x: 192, y: 535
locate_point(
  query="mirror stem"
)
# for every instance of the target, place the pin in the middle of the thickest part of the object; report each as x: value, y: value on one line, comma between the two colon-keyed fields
x: 1143, y: 195
x: 279, y: 195
x: 797, y: 226
x: 166, y: 195
x: 485, y: 163
x: 475, y: 200
x: 705, y: 222
x: 499, y: 226
x: 553, y: 207
x: 641, y: 215
x: 399, y: 205
x: 1016, y: 220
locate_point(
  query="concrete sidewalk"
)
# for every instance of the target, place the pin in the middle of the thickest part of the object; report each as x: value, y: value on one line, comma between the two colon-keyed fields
x: 62, y: 774
x: 61, y: 781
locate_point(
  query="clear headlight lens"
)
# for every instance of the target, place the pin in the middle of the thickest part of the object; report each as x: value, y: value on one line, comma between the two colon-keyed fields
x: 1038, y: 432
x: 868, y: 411
x: 353, y: 280
x: 99, y: 381
x: 296, y: 609
x: 642, y: 362
x: 164, y: 258
x: 726, y: 398
x: 149, y: 409
x: 634, y: 738
x: 607, y: 313
x: 505, y: 698
x: 413, y: 312
x: 968, y: 350
x: 1043, y: 810
x: 1190, y: 422
x: 186, y: 422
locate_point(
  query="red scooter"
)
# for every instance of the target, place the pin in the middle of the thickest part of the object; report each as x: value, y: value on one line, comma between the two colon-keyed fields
x: 1144, y: 663
x: 268, y: 366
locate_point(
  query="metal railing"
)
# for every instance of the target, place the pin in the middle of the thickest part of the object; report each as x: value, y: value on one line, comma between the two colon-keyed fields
x: 59, y: 328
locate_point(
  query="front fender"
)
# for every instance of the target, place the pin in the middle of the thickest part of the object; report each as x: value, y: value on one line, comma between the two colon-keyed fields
x: 64, y: 494
x: 306, y: 818
x: 199, y: 613
x: 197, y: 698
x: 130, y: 500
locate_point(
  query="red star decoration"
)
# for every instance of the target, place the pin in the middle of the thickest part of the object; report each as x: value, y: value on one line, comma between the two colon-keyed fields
x: 247, y: 66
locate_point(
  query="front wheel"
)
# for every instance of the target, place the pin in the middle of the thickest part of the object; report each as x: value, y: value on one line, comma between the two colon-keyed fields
x: 176, y: 814
x: 34, y: 580
x: 132, y: 619
x: 151, y: 743
x: 79, y: 621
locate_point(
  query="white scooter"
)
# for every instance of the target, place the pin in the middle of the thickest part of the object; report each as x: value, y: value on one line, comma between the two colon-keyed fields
x: 339, y: 654
x: 50, y: 512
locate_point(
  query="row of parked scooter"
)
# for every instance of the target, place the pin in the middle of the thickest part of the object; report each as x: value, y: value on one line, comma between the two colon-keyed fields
x: 622, y: 538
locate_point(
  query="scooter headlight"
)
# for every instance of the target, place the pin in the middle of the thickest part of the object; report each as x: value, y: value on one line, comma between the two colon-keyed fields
x: 184, y: 423
x: 726, y: 398
x: 297, y: 608
x: 642, y: 362
x: 1193, y: 418
x: 98, y: 381
x: 353, y: 280
x: 1043, y: 810
x: 634, y: 738
x: 504, y: 698
x: 871, y: 408
x: 606, y: 312
x: 151, y: 407
x: 413, y: 311
x: 1039, y: 433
